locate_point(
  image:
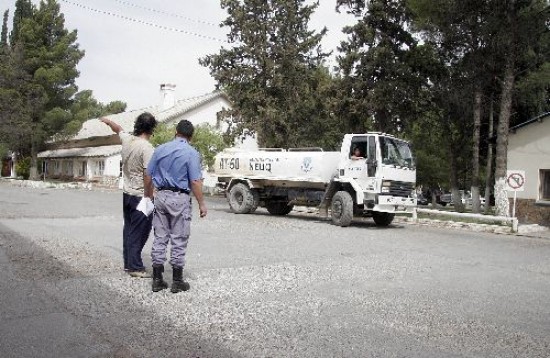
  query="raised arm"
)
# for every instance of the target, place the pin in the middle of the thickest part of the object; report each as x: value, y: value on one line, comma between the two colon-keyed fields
x: 115, y: 127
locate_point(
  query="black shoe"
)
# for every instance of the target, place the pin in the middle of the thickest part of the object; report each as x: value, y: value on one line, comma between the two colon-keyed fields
x: 178, y: 285
x: 158, y: 283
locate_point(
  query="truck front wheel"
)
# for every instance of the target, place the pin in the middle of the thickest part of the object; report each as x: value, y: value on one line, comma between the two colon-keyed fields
x: 278, y: 207
x: 342, y: 208
x: 382, y: 219
x: 242, y: 200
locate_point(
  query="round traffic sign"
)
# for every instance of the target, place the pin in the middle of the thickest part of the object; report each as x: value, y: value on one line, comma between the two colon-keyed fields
x: 515, y: 180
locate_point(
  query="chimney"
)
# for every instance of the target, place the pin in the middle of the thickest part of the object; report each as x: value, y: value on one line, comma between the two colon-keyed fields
x: 167, y: 99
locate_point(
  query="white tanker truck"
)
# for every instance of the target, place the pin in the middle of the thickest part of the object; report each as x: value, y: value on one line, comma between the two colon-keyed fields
x: 379, y: 183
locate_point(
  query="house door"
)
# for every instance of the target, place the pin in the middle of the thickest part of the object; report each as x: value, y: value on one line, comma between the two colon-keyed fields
x: 6, y: 167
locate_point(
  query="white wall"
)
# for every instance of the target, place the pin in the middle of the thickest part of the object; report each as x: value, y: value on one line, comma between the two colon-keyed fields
x: 208, y: 114
x: 205, y: 113
x: 246, y: 142
x: 112, y: 165
x: 529, y: 150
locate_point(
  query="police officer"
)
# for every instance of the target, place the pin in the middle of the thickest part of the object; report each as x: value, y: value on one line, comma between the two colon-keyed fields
x: 175, y: 170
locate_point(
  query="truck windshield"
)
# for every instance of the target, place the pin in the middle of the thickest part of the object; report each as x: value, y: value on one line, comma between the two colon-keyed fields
x: 396, y: 152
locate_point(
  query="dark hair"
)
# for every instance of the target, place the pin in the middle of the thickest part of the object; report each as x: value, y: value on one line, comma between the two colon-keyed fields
x: 145, y: 123
x: 185, y: 129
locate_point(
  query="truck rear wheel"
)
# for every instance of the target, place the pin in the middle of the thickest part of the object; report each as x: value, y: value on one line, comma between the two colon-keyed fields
x: 278, y: 207
x: 382, y: 219
x: 342, y: 208
x: 256, y: 201
x: 242, y: 200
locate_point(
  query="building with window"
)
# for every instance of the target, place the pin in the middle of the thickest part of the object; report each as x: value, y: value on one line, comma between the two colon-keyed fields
x: 529, y: 151
x: 94, y: 153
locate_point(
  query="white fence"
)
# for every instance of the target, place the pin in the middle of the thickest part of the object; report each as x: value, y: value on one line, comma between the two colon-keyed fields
x: 490, y: 218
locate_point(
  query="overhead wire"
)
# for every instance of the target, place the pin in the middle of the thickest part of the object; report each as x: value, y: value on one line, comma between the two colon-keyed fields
x: 131, y: 19
x: 167, y: 13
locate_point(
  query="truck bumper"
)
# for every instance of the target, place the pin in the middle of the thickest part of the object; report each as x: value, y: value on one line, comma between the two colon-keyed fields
x: 393, y: 204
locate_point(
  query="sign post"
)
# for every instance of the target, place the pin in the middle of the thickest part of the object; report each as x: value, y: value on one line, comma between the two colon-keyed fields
x: 515, y: 180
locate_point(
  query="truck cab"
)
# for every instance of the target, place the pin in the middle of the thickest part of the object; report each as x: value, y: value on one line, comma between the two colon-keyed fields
x: 382, y: 180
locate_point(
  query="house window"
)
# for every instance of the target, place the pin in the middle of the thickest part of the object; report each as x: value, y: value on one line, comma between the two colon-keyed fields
x: 83, y: 170
x: 544, y: 184
x: 100, y: 167
x: 68, y: 168
x: 57, y: 167
x: 52, y: 167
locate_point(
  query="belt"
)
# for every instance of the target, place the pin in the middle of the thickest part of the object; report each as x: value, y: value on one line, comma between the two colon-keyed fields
x: 174, y: 189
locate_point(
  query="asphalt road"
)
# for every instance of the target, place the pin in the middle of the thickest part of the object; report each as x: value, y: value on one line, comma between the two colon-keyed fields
x: 264, y: 286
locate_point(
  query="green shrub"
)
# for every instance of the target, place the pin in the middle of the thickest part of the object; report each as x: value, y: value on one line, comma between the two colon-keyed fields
x: 23, y: 167
x: 206, y: 139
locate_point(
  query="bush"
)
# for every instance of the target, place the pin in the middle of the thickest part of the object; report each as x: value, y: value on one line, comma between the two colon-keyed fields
x: 23, y: 167
x: 208, y: 142
x: 206, y: 139
x: 163, y: 133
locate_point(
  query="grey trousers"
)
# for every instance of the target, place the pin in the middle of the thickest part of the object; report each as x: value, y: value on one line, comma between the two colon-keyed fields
x: 171, y: 223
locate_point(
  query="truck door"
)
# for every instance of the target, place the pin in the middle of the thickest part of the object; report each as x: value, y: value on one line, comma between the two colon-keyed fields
x: 371, y: 157
x: 360, y: 152
x: 371, y: 163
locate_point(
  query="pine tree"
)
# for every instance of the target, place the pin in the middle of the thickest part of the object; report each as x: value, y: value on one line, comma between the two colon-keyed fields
x: 521, y: 32
x: 83, y: 107
x: 459, y: 30
x: 271, y: 73
x: 479, y: 42
x: 4, y: 35
x: 24, y: 9
x: 381, y: 64
x: 50, y: 56
x: 15, y: 130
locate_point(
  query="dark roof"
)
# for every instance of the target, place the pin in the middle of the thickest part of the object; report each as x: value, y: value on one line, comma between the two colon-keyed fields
x: 538, y: 118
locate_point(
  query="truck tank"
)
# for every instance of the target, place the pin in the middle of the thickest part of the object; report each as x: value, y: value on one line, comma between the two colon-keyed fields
x: 306, y: 166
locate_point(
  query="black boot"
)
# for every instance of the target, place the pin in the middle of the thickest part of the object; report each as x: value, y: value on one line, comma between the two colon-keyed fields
x: 179, y: 284
x: 158, y: 283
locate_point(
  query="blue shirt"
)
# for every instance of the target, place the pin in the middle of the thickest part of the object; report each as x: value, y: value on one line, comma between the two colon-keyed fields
x: 175, y: 164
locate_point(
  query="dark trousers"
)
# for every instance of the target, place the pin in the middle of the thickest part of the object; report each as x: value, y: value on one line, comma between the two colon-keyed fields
x: 135, y: 233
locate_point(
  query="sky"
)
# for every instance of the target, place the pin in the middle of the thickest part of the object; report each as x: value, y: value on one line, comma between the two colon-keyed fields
x: 133, y: 46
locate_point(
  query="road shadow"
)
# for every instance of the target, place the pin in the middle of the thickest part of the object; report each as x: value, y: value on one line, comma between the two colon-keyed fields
x: 128, y: 328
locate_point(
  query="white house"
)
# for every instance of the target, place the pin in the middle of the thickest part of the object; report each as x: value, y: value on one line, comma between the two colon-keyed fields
x: 529, y: 153
x: 94, y: 153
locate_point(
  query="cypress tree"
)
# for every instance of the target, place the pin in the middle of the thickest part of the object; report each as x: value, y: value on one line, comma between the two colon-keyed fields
x: 24, y: 9
x: 4, y: 34
x: 50, y: 55
x: 381, y: 67
x: 272, y: 71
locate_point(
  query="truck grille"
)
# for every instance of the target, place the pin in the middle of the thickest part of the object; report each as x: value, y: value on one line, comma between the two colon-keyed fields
x: 401, y: 188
